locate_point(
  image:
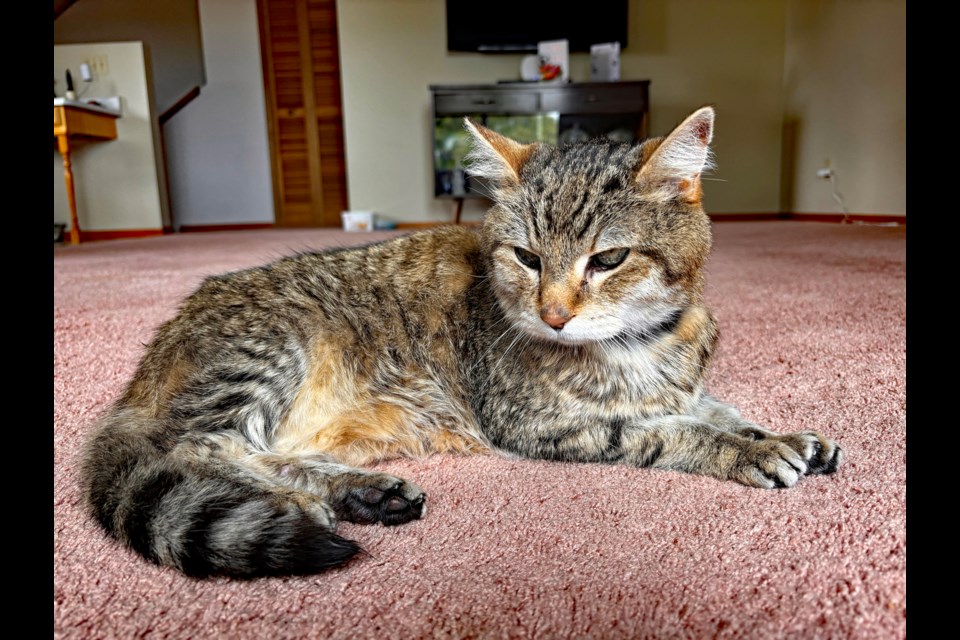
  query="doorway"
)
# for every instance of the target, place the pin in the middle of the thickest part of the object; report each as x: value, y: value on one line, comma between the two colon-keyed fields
x: 301, y: 73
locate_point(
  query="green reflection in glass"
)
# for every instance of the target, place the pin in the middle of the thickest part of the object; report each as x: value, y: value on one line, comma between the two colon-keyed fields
x: 452, y: 142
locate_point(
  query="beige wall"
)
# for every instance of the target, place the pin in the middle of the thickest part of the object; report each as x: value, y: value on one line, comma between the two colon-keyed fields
x: 116, y: 182
x: 794, y: 82
x: 695, y: 52
x: 217, y: 150
x: 169, y: 29
x: 845, y: 94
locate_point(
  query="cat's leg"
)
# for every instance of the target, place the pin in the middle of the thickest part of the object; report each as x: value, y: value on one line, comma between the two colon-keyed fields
x: 684, y: 443
x: 692, y: 445
x: 820, y: 454
x: 348, y: 493
x: 356, y: 495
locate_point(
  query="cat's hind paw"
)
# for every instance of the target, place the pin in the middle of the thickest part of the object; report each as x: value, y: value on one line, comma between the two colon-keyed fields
x: 378, y: 497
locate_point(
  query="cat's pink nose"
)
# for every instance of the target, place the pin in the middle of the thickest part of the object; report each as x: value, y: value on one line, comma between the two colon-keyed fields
x: 556, y: 315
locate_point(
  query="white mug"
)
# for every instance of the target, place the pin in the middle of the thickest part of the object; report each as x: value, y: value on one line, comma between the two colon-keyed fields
x: 530, y: 68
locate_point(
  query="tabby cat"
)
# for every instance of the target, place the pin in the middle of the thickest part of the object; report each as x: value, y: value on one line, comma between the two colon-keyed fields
x: 570, y: 327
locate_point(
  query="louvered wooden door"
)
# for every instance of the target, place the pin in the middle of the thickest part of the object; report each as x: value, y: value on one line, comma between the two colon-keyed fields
x: 301, y: 70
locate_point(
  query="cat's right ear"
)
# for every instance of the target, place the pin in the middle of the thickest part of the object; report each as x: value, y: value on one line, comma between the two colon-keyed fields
x: 495, y: 156
x: 674, y: 167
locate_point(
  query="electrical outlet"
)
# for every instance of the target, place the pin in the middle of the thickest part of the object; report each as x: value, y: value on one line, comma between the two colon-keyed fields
x: 99, y: 65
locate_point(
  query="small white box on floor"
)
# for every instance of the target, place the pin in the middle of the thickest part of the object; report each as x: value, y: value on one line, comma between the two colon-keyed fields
x: 357, y: 220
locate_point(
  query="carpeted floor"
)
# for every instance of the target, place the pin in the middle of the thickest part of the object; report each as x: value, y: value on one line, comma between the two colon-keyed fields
x: 813, y: 323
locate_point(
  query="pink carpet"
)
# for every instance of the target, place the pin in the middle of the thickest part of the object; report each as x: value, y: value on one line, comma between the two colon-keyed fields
x: 813, y: 323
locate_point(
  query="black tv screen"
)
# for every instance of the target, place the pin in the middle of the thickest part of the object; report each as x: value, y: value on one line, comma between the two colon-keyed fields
x: 508, y: 26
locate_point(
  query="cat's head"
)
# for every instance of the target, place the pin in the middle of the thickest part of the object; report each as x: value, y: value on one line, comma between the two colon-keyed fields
x: 595, y: 240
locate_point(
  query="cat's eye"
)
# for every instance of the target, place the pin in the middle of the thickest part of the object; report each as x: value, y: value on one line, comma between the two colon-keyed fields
x: 527, y: 258
x: 606, y: 260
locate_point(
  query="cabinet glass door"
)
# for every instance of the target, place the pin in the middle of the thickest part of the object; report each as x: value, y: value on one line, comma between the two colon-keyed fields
x: 451, y: 142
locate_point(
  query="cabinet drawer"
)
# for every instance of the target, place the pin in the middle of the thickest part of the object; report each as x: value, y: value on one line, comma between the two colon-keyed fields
x: 492, y: 102
x: 598, y: 100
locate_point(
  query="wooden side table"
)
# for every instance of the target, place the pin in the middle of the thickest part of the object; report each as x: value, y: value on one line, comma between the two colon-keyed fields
x: 72, y: 124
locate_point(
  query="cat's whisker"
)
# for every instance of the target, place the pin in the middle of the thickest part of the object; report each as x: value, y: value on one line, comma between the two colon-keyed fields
x: 605, y: 348
x: 499, y: 322
x: 483, y: 358
x: 484, y: 189
x: 621, y: 342
x: 494, y: 367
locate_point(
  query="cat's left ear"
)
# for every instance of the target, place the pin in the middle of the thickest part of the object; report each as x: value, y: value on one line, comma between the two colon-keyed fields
x: 676, y: 164
x: 495, y: 156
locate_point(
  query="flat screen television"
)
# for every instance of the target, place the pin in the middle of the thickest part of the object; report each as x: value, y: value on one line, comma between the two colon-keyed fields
x: 510, y: 26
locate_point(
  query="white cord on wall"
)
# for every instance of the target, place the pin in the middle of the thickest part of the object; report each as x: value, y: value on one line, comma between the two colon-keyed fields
x: 828, y: 174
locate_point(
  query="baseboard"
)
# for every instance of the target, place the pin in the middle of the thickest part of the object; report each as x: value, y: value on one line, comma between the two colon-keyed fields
x: 430, y: 225
x: 115, y: 234
x: 247, y: 226
x: 747, y: 217
x: 421, y: 225
x: 871, y: 218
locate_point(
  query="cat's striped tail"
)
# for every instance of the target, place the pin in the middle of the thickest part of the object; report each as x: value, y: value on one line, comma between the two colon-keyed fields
x: 176, y: 515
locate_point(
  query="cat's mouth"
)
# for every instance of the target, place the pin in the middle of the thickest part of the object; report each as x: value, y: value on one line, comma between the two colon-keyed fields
x: 586, y: 329
x: 575, y: 332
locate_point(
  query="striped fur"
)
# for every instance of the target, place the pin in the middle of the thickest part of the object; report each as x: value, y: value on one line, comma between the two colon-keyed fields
x: 240, y: 442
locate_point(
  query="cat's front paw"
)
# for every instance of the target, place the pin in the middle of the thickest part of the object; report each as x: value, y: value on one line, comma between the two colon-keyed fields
x: 378, y: 497
x: 779, y: 461
x: 821, y: 454
x: 768, y: 464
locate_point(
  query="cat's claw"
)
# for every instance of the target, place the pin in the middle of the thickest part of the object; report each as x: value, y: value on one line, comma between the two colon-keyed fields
x: 780, y: 461
x: 381, y: 498
x: 769, y: 464
x: 822, y: 456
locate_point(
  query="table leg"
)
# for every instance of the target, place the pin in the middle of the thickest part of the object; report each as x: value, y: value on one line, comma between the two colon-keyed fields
x: 64, y: 146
